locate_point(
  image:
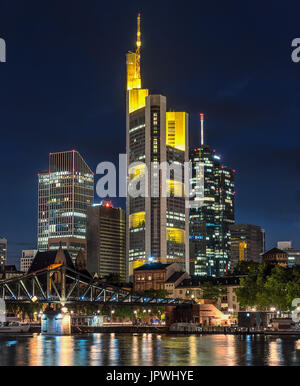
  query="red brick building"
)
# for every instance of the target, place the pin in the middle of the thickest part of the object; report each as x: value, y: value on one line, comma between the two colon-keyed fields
x: 154, y: 276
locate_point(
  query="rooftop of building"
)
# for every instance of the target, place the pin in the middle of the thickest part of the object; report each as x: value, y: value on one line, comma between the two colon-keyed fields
x: 153, y: 267
x: 11, y: 269
x: 237, y: 226
x: 45, y: 259
x: 274, y: 251
x: 176, y: 276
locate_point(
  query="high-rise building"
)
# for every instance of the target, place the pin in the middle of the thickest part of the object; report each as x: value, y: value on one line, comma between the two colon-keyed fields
x: 157, y: 223
x: 27, y: 259
x: 106, y: 241
x: 247, y: 243
x: 65, y: 192
x: 3, y: 253
x: 211, y: 218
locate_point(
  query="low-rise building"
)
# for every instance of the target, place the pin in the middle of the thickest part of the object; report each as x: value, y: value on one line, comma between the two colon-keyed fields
x: 158, y: 276
x: 205, y: 315
x: 293, y: 254
x: 276, y: 256
x: 192, y: 289
x: 10, y: 272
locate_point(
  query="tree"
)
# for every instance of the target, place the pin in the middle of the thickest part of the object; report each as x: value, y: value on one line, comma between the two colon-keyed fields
x: 269, y: 285
x: 212, y: 291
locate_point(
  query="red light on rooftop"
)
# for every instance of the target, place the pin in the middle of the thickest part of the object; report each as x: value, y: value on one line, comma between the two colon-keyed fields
x: 107, y: 205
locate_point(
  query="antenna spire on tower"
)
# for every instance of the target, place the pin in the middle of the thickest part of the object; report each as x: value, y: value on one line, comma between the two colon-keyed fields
x: 138, y: 42
x: 202, y: 129
x: 138, y: 48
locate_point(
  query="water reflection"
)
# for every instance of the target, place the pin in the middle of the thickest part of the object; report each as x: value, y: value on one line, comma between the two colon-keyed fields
x: 149, y: 350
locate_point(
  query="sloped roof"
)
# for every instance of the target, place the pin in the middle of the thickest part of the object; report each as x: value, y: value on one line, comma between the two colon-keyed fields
x: 274, y: 251
x: 45, y: 259
x: 153, y: 267
x: 175, y: 277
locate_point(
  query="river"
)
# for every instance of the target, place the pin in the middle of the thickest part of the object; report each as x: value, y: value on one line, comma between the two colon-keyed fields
x: 149, y: 350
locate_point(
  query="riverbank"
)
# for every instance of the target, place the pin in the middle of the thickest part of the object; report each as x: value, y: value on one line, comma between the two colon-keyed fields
x: 165, y: 330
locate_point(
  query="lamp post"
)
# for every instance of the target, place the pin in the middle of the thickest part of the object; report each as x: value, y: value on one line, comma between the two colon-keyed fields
x: 111, y: 317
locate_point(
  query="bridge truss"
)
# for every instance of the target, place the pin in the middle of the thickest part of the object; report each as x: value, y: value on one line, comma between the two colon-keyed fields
x: 63, y: 285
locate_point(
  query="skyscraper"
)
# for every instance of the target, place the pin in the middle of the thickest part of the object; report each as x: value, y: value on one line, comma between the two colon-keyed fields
x: 65, y: 192
x: 211, y: 218
x: 106, y: 241
x: 157, y: 225
x: 3, y: 253
x: 247, y: 243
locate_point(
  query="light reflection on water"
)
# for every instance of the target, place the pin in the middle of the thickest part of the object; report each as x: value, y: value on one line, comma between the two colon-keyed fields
x: 148, y: 350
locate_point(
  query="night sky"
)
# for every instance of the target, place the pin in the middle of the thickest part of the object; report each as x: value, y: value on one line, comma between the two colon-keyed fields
x: 63, y: 88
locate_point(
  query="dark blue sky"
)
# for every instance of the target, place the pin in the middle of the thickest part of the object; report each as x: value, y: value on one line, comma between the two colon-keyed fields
x: 63, y: 87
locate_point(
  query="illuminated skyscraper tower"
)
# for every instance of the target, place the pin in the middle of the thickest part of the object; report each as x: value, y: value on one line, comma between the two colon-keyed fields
x: 65, y: 192
x: 157, y: 227
x: 210, y: 222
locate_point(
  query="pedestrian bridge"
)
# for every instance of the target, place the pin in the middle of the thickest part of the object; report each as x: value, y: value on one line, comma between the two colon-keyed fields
x: 59, y: 284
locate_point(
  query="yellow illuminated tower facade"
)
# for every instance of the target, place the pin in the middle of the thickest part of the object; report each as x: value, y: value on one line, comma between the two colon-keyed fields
x: 157, y: 226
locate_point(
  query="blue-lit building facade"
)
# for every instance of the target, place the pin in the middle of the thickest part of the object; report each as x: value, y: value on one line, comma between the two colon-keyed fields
x: 211, y: 218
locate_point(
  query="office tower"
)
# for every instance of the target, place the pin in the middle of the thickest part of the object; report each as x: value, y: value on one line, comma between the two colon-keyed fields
x: 3, y: 253
x: 65, y: 192
x: 27, y: 259
x: 212, y: 214
x: 106, y: 241
x: 247, y: 243
x: 157, y: 223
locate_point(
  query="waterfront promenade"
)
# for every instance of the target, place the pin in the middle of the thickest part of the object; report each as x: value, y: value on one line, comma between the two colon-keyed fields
x: 165, y: 330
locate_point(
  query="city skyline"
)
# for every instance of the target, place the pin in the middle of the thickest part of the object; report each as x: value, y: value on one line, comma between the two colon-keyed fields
x: 225, y: 101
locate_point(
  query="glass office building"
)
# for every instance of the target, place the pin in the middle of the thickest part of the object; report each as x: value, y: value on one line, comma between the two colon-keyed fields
x: 65, y: 192
x: 211, y: 218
